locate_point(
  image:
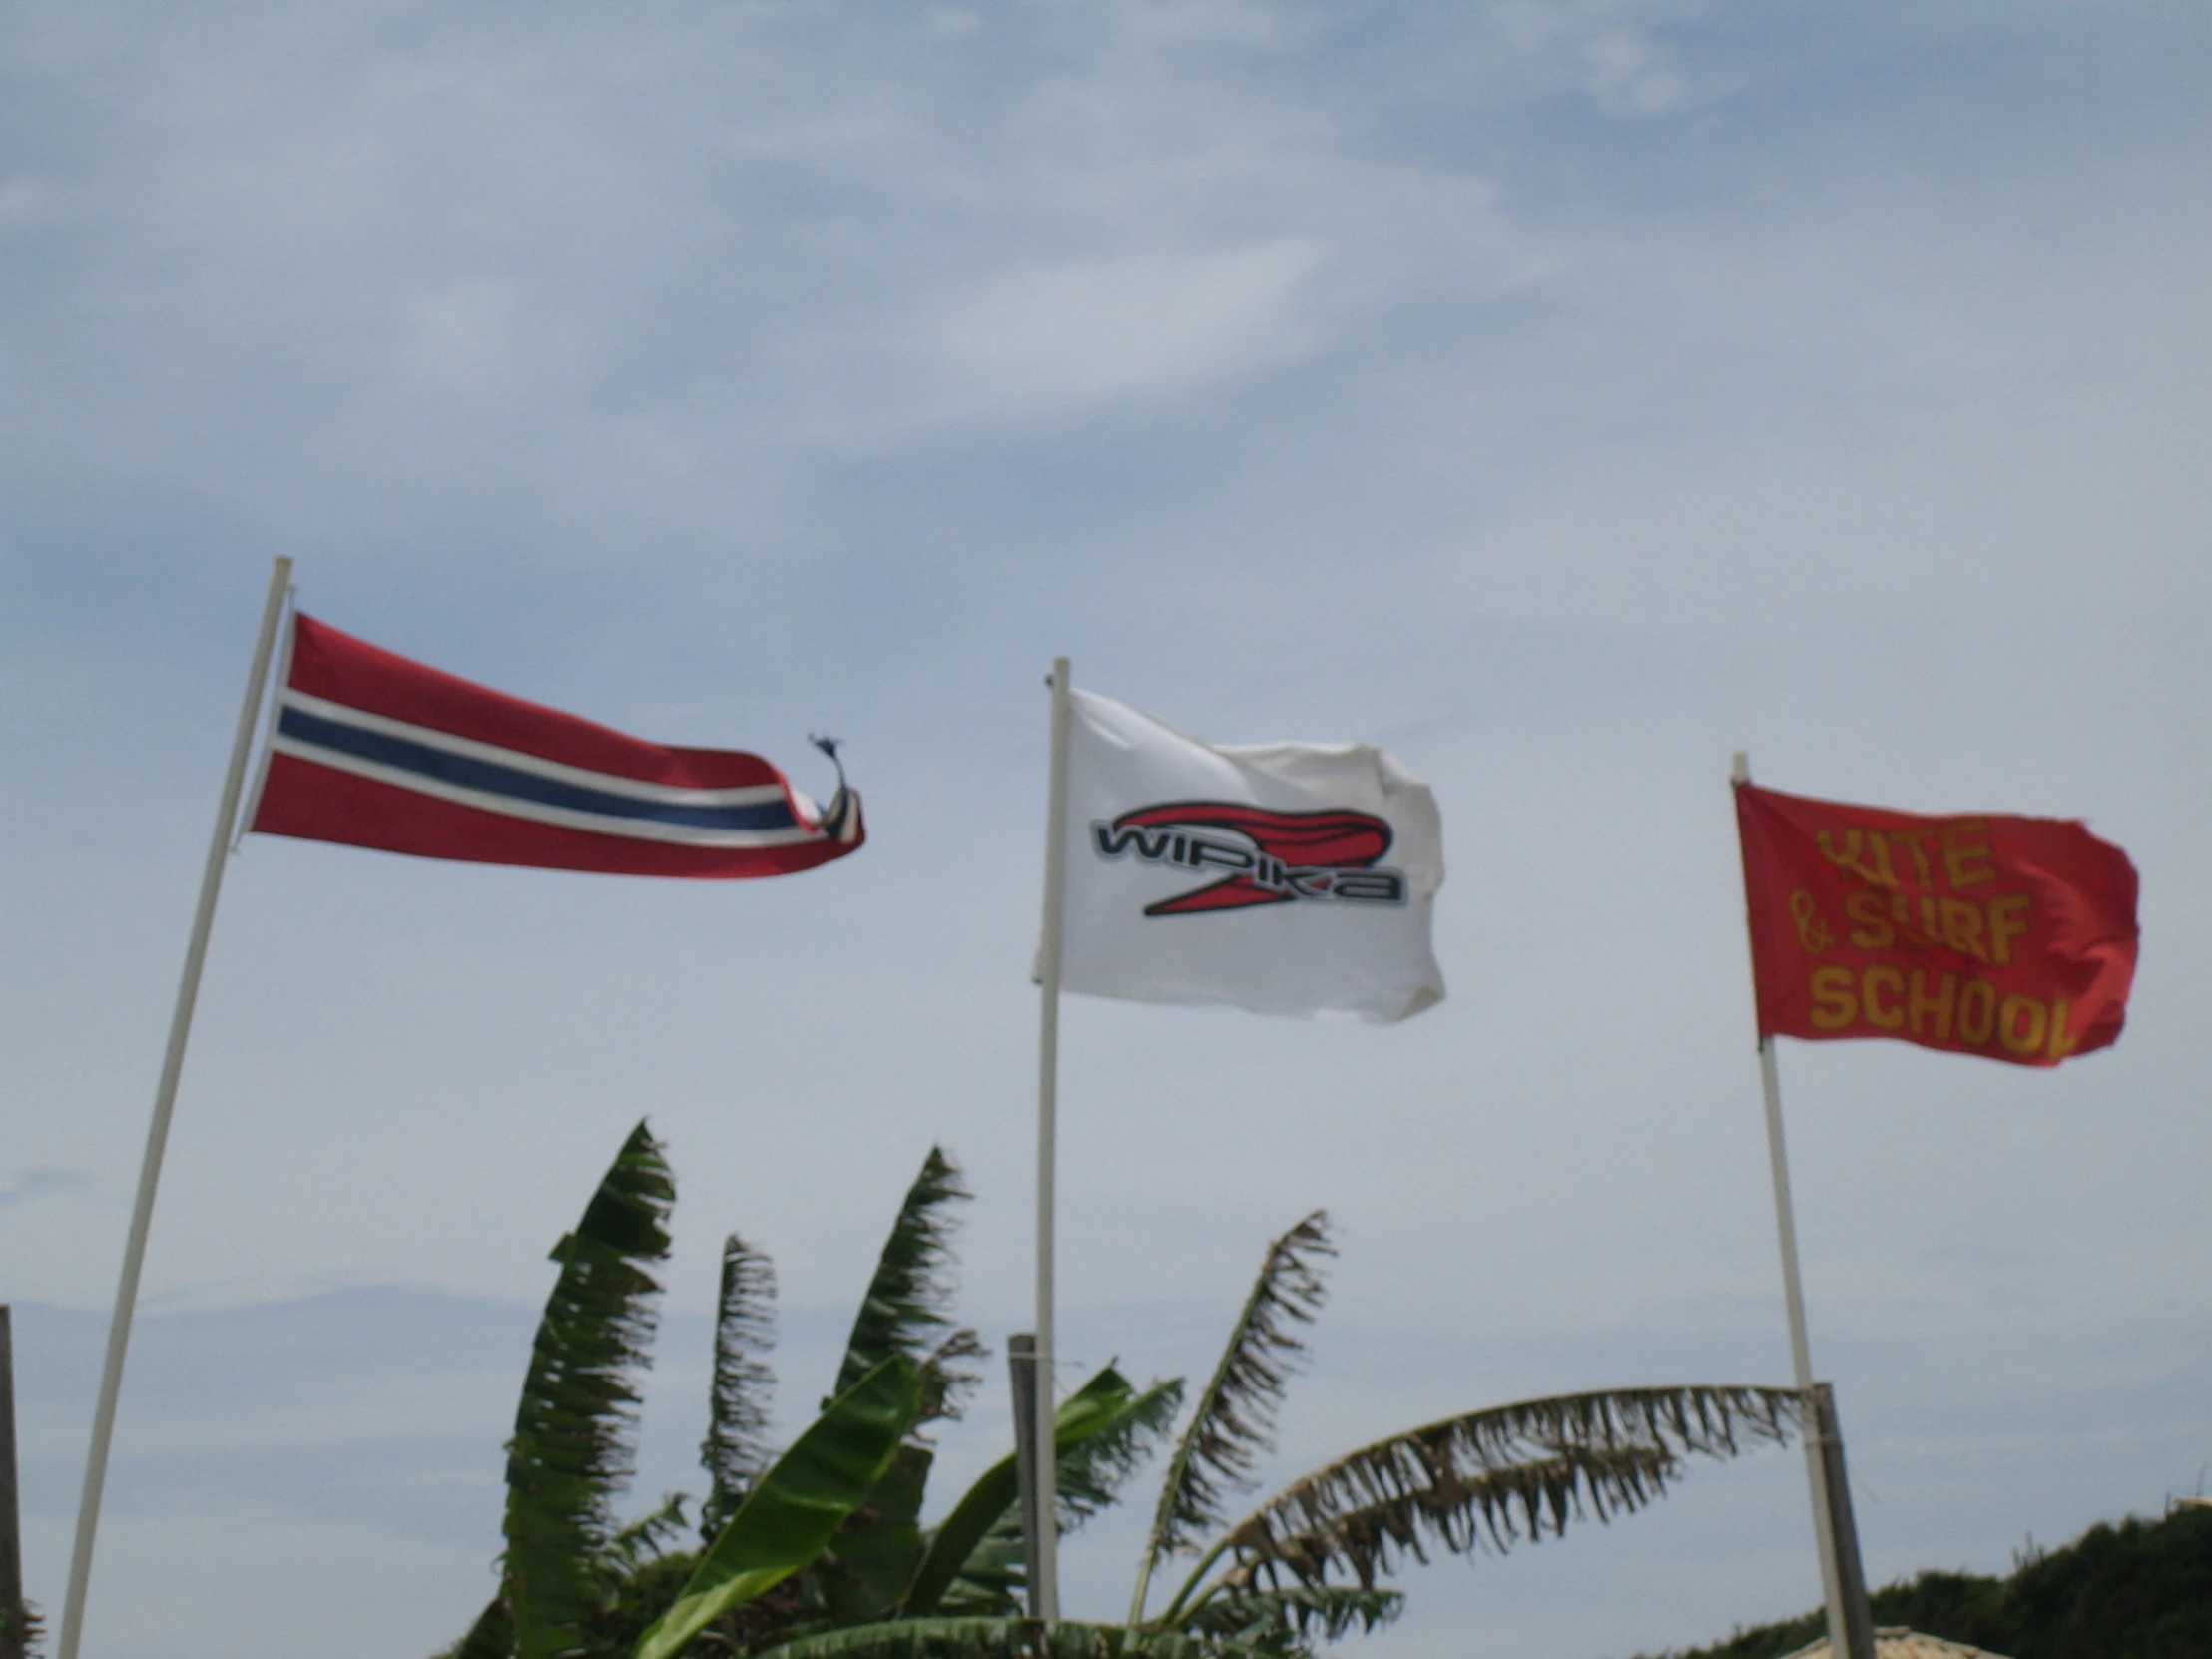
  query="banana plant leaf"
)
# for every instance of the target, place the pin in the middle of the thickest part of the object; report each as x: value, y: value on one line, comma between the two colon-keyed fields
x: 1232, y: 1424
x: 1009, y: 1638
x: 866, y: 1567
x: 870, y: 1560
x: 492, y: 1636
x: 1485, y: 1479
x: 1296, y: 1614
x: 737, y: 1446
x: 1098, y: 1433
x: 797, y: 1507
x: 906, y: 1306
x: 571, y: 1448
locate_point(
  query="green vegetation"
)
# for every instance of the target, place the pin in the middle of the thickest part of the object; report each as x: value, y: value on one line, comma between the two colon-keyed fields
x: 819, y: 1551
x: 2138, y: 1590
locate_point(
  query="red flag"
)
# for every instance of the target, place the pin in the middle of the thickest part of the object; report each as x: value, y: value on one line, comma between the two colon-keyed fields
x: 2012, y: 937
x: 372, y: 749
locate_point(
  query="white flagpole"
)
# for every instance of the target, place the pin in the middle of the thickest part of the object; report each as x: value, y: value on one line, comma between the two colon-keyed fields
x: 156, y: 1134
x: 1045, y: 1569
x: 1793, y: 1296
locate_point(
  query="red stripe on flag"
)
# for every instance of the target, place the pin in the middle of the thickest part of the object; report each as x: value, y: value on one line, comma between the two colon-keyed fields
x: 330, y: 664
x: 320, y: 802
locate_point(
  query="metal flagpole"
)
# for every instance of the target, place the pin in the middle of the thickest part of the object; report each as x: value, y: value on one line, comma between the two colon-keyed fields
x: 156, y: 1134
x: 1044, y: 1570
x: 1793, y: 1294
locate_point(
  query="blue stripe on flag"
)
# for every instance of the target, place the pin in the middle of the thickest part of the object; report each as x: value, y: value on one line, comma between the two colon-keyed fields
x: 490, y: 777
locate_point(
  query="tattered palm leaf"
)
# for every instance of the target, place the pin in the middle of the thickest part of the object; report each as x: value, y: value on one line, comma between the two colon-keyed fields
x: 1296, y: 1614
x: 1013, y: 1638
x: 572, y: 1450
x: 1489, y: 1478
x: 1233, y: 1418
x: 796, y: 1504
x: 492, y: 1636
x: 737, y: 1446
x: 993, y: 1580
x: 1093, y: 1470
x: 645, y: 1539
x: 904, y: 1308
x: 948, y: 1380
x: 639, y: 1578
x: 864, y: 1571
x: 1101, y: 1433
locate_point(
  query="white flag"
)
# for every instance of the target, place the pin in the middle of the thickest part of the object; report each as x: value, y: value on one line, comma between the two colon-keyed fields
x: 1286, y: 877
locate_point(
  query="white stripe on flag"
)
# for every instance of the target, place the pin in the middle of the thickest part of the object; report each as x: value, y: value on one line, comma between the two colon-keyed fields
x: 644, y: 830
x: 666, y: 795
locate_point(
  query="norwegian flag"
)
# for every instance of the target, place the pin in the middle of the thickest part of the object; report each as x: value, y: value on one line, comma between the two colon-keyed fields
x: 372, y: 749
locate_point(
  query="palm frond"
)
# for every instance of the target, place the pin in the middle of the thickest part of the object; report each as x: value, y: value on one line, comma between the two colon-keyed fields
x: 975, y: 1562
x: 737, y: 1447
x: 996, y: 1577
x: 1013, y: 1638
x: 1233, y: 1418
x: 1092, y: 1471
x: 572, y: 1449
x: 644, y: 1540
x: 795, y: 1506
x: 863, y: 1572
x: 948, y: 1380
x: 492, y: 1636
x: 906, y: 1303
x: 1296, y: 1614
x: 1487, y: 1479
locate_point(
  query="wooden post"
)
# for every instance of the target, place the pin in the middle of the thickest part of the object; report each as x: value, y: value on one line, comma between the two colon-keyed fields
x: 1021, y: 1359
x: 1842, y: 1528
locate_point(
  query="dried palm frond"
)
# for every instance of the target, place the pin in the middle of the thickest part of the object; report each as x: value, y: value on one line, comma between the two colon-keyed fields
x: 1487, y: 1479
x: 1233, y: 1418
x: 906, y: 1299
x: 735, y: 1448
x: 572, y: 1450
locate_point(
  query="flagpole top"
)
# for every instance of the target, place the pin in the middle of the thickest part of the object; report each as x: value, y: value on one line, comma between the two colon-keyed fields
x: 1739, y: 766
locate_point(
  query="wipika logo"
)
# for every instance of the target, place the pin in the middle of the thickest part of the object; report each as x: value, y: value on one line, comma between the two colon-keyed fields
x: 1263, y: 856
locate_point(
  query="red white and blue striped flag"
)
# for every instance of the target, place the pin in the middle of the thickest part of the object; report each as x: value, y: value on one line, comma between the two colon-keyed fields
x: 372, y: 749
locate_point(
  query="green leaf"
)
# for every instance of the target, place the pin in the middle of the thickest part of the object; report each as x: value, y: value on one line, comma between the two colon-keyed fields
x: 796, y: 1507
x: 492, y: 1636
x: 1232, y: 1422
x: 1099, y: 1433
x: 904, y: 1308
x: 1296, y: 1614
x: 572, y: 1449
x: 1013, y: 1638
x: 870, y: 1561
x: 737, y: 1447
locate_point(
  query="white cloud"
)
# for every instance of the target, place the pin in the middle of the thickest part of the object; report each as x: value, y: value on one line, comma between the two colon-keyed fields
x: 1562, y: 394
x: 1055, y: 338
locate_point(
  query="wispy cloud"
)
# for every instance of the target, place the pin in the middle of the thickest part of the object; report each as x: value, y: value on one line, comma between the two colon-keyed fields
x: 32, y: 1184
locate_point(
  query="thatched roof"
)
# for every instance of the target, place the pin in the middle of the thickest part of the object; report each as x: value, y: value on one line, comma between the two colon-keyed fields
x: 1896, y: 1642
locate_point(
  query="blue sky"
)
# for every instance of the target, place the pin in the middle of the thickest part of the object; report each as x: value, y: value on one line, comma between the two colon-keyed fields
x: 1563, y: 395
